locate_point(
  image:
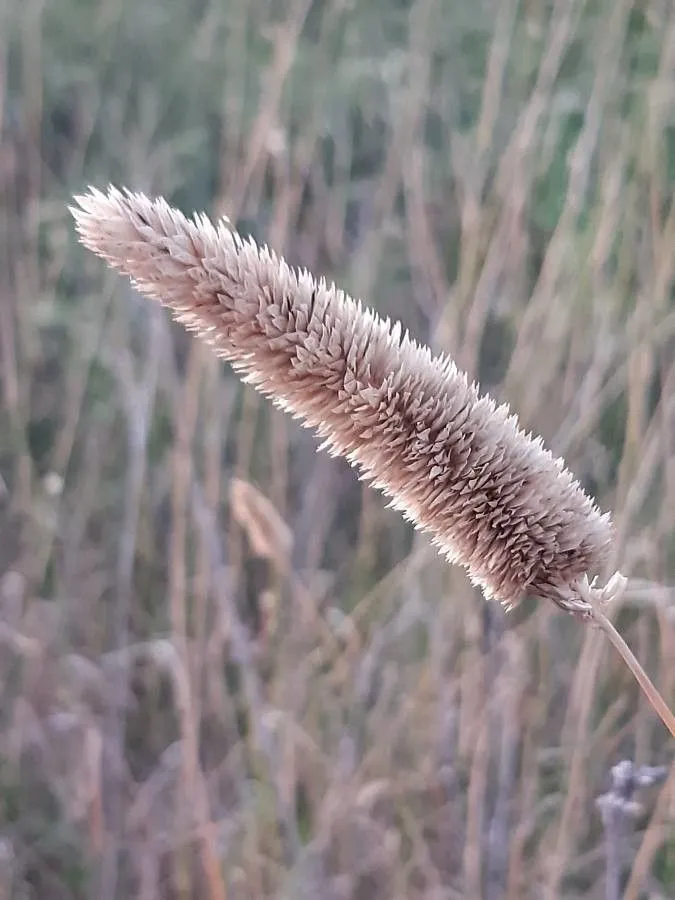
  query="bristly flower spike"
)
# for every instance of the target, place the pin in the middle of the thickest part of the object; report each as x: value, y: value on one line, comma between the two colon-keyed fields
x: 453, y: 462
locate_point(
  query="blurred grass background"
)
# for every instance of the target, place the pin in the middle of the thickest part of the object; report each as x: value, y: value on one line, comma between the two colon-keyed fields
x: 226, y: 669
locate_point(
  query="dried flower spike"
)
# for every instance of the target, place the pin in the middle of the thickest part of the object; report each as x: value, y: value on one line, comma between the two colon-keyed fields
x: 456, y: 464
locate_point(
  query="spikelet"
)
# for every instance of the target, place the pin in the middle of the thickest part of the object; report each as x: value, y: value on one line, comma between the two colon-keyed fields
x: 453, y: 462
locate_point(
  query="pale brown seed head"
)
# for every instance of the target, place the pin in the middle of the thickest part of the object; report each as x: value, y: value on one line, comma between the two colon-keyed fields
x: 455, y: 464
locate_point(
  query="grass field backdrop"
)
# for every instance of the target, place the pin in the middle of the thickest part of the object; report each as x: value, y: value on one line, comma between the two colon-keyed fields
x: 227, y: 670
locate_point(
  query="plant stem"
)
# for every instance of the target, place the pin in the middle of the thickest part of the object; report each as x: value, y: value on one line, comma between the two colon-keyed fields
x: 646, y: 684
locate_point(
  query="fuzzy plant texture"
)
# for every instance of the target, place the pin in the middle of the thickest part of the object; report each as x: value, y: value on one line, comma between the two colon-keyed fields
x: 452, y: 461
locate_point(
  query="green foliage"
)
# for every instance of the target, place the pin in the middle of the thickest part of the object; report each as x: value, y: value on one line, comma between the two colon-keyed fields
x: 664, y: 864
x: 54, y: 864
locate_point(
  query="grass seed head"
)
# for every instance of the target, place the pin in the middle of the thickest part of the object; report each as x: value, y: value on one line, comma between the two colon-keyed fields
x: 453, y: 462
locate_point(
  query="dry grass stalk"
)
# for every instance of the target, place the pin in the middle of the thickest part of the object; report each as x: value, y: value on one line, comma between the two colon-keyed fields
x: 268, y: 534
x: 455, y: 463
